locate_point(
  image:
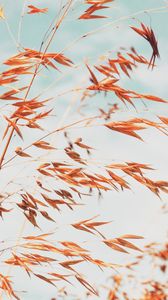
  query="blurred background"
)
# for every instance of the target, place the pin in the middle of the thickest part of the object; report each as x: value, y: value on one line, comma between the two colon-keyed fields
x: 135, y: 211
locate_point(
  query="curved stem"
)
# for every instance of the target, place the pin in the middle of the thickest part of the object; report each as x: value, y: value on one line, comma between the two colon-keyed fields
x: 57, y: 25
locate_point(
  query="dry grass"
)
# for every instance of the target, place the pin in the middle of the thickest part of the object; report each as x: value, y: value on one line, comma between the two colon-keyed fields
x: 66, y: 181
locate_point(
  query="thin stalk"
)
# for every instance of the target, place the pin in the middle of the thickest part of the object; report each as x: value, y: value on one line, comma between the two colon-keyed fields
x: 49, y: 134
x: 6, y: 147
x: 20, y: 23
x: 35, y: 73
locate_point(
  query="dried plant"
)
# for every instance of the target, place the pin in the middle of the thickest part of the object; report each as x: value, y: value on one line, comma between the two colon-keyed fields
x: 63, y: 175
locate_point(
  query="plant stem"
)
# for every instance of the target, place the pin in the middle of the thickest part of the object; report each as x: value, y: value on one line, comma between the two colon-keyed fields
x: 35, y: 73
x: 6, y: 147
